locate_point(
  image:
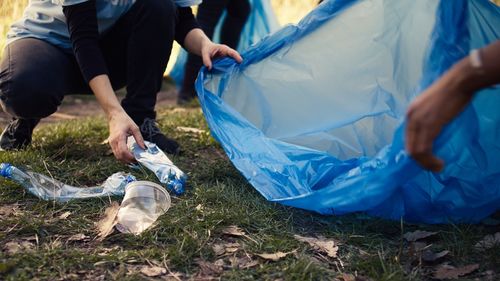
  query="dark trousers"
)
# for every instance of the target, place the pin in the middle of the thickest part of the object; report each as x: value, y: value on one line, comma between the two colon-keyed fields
x: 35, y: 75
x: 209, y: 14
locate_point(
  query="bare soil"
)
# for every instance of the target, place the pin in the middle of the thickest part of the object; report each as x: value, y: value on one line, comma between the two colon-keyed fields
x: 79, y: 106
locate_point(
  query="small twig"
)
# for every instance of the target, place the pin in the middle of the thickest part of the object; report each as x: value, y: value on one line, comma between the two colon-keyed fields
x: 168, y: 269
x: 53, y: 186
x: 11, y: 228
x: 251, y: 239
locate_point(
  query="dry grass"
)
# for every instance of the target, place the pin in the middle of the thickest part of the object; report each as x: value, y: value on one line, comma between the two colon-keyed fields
x: 10, y: 10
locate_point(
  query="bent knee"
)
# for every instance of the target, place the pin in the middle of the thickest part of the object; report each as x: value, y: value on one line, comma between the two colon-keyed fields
x: 21, y: 99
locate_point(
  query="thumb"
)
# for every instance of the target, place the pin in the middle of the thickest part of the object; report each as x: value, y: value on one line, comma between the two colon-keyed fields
x: 435, y: 164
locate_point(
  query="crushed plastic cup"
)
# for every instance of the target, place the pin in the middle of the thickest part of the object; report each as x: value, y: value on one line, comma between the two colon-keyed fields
x: 143, y: 203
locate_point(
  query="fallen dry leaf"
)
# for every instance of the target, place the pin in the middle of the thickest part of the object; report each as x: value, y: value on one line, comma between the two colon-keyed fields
x: 418, y: 235
x: 64, y: 215
x: 233, y: 230
x: 320, y: 244
x: 14, y: 247
x: 219, y: 249
x: 350, y: 277
x: 450, y: 272
x: 107, y: 223
x: 488, y: 242
x: 219, y: 262
x: 153, y: 271
x: 106, y: 251
x: 190, y: 130
x: 78, y: 237
x: 8, y: 210
x: 231, y: 247
x: 430, y: 256
x: 244, y: 262
x: 275, y: 256
x: 209, y: 269
x: 249, y: 263
x: 54, y: 244
x: 178, y: 276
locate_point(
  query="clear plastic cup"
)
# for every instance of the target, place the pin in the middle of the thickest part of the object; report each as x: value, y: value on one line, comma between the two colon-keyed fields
x: 143, y: 203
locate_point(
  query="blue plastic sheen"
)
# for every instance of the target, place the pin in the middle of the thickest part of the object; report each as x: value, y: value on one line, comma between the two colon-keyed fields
x: 154, y: 159
x: 260, y: 23
x: 314, y: 117
x: 5, y: 170
x: 47, y: 188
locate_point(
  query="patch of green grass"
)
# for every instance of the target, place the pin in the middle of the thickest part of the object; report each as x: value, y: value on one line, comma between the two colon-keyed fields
x: 217, y: 197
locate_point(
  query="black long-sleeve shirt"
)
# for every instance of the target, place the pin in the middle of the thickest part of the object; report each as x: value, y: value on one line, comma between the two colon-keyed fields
x: 82, y: 25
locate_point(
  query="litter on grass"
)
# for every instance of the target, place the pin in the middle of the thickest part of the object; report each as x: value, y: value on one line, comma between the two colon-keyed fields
x: 143, y: 204
x: 47, y: 188
x: 156, y: 161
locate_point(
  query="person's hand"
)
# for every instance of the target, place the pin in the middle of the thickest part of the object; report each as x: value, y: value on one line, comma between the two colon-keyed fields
x: 428, y: 114
x: 210, y: 50
x: 120, y: 127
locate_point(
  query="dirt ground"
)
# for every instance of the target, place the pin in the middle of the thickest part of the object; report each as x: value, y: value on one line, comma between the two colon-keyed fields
x: 85, y: 105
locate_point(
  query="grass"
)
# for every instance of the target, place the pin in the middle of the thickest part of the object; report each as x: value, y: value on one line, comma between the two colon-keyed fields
x: 217, y: 197
x: 183, y: 239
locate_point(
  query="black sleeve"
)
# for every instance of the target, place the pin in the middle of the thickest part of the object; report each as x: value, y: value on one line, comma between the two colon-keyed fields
x: 185, y: 23
x: 82, y: 25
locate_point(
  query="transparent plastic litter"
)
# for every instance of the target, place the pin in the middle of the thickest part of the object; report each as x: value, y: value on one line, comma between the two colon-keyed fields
x: 47, y: 188
x: 154, y: 159
x: 143, y: 203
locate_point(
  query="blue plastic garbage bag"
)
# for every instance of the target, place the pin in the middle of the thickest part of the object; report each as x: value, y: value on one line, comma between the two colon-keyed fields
x: 260, y: 23
x: 314, y: 116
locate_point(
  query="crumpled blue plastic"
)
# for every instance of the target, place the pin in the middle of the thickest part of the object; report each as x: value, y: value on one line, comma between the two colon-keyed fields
x: 314, y: 117
x: 260, y: 23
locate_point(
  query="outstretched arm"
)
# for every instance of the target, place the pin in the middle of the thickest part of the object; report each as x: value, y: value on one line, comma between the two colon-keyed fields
x: 82, y: 24
x: 445, y: 99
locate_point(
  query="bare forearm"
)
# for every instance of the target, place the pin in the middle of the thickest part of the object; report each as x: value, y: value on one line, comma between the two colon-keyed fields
x: 194, y: 41
x: 473, y: 78
x: 102, y: 89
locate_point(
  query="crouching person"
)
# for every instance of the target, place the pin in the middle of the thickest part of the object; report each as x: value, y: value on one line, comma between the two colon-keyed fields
x: 63, y: 47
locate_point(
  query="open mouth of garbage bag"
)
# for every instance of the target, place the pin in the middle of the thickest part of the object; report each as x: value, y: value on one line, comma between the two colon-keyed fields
x: 314, y: 116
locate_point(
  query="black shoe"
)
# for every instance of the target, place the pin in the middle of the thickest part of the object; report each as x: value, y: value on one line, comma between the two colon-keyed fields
x: 152, y: 133
x: 17, y: 134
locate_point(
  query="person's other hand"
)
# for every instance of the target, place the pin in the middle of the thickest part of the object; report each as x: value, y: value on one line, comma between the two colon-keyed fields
x: 210, y: 50
x: 120, y: 127
x: 426, y: 117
